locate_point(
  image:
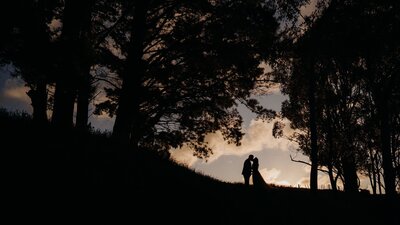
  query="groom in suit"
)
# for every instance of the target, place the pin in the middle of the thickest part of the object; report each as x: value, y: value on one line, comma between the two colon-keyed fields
x: 246, y: 172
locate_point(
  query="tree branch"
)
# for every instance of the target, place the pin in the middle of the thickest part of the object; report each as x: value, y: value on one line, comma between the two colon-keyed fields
x: 108, y: 82
x: 309, y: 164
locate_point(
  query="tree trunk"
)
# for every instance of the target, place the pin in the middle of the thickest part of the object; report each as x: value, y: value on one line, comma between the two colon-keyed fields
x: 330, y: 152
x: 372, y: 172
x: 314, y: 137
x: 76, y: 23
x: 387, y: 159
x: 82, y: 109
x: 37, y: 40
x: 350, y: 174
x: 63, y: 110
x: 38, y: 97
x: 332, y: 178
x: 379, y: 182
x: 128, y: 112
x: 84, y: 79
x: 124, y: 115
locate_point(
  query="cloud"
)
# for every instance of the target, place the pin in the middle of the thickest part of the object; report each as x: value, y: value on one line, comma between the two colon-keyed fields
x: 13, y: 93
x: 16, y: 92
x: 304, y: 182
x: 309, y: 8
x: 184, y: 155
x: 307, y: 169
x: 323, y: 182
x: 283, y: 183
x: 258, y: 137
x: 271, y: 177
x: 102, y: 122
x: 365, y: 183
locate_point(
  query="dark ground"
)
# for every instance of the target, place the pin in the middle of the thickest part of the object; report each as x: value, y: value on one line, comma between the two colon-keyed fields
x: 78, y: 178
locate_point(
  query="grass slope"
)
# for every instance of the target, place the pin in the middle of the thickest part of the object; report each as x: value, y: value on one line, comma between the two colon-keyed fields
x: 86, y: 178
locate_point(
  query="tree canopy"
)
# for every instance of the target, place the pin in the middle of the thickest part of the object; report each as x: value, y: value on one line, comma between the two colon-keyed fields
x: 197, y: 62
x: 342, y: 65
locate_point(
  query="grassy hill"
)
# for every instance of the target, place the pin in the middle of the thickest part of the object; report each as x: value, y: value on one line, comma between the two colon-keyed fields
x: 86, y: 178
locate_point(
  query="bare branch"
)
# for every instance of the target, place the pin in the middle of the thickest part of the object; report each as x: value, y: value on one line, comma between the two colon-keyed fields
x: 307, y: 163
x: 107, y: 81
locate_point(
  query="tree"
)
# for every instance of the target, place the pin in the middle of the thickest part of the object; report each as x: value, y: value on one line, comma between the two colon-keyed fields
x: 27, y: 45
x: 74, y: 63
x: 353, y: 77
x: 187, y: 66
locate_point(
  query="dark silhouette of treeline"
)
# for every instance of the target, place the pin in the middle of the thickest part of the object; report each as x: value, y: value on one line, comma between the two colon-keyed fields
x: 52, y: 180
x: 343, y: 88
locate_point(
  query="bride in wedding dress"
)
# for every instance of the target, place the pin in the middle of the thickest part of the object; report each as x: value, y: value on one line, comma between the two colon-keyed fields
x: 258, y: 180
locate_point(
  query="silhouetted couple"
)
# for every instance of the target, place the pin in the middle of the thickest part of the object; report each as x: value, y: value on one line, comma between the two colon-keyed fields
x: 250, y: 167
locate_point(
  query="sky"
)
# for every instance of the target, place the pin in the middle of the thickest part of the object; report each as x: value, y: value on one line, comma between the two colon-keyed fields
x: 227, y: 160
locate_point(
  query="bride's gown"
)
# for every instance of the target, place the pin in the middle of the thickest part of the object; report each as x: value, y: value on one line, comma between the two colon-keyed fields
x: 258, y: 180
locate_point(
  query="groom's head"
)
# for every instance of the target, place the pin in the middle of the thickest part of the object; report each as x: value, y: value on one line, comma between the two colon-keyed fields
x: 251, y: 157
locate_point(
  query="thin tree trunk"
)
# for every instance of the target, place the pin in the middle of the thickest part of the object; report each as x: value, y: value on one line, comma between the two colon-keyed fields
x: 314, y: 137
x: 387, y: 159
x: 372, y: 172
x: 379, y: 182
x: 330, y: 152
x: 332, y: 178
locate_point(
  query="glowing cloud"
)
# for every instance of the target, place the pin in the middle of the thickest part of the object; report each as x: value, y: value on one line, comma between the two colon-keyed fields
x: 309, y: 8
x: 258, y: 137
x: 271, y: 175
x: 16, y: 90
x: 13, y: 93
x: 184, y: 155
x: 323, y: 182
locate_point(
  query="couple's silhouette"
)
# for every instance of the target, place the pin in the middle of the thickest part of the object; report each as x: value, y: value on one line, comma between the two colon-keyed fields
x: 250, y: 168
